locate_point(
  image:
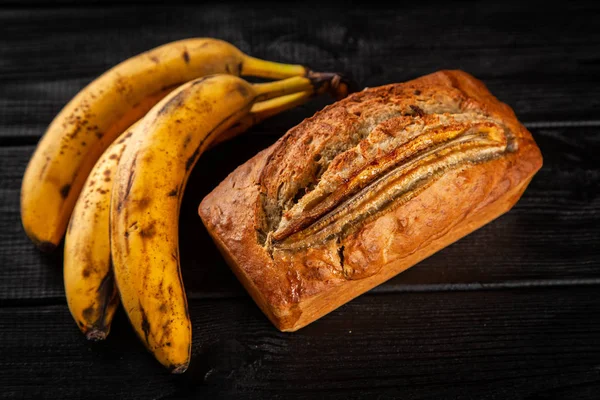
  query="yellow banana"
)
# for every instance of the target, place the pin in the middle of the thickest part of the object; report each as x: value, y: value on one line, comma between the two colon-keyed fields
x: 147, y: 192
x: 88, y: 276
x: 87, y: 125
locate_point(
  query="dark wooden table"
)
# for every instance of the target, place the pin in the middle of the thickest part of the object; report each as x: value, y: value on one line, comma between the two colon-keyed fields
x: 512, y: 311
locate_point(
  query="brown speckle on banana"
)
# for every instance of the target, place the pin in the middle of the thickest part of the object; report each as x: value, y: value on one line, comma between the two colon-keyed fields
x: 89, y: 281
x: 147, y: 197
x: 100, y: 112
x: 64, y: 191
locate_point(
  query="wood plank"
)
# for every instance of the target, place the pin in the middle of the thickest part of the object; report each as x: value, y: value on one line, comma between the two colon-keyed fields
x: 435, y: 331
x: 550, y: 238
x: 47, y: 57
x: 542, y: 343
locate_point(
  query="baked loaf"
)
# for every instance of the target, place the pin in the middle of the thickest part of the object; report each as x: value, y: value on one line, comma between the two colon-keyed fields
x: 365, y: 189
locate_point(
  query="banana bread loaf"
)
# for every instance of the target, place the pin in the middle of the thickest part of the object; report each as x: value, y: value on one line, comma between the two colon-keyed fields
x: 365, y: 189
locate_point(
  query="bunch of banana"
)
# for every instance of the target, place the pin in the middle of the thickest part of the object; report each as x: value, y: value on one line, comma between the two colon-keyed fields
x: 113, y: 166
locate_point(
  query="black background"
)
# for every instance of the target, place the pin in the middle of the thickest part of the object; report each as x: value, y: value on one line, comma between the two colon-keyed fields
x: 512, y: 311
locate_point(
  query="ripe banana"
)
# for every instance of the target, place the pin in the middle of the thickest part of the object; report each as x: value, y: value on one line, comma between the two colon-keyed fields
x: 92, y: 120
x: 147, y: 192
x: 88, y: 276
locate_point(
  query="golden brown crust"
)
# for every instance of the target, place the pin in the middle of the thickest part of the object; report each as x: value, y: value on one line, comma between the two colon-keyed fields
x: 366, y: 188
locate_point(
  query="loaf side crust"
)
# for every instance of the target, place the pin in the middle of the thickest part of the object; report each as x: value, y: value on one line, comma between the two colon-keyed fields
x: 295, y: 288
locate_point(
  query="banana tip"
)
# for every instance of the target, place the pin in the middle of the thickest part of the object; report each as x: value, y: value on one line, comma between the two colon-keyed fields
x: 95, y: 335
x: 43, y: 245
x: 46, y: 247
x: 179, y: 369
x: 343, y: 85
x: 339, y: 85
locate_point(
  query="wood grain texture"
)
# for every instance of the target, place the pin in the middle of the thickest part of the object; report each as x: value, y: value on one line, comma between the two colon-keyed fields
x: 433, y: 332
x: 534, y: 344
x: 549, y: 238
x: 537, y: 71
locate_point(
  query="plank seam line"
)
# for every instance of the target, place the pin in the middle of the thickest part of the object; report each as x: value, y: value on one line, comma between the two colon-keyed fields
x: 561, y: 124
x: 474, y: 286
x: 29, y: 140
x: 400, y: 288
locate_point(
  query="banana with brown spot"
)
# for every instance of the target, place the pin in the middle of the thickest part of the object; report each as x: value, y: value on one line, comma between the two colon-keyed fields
x: 98, y: 114
x: 88, y: 276
x: 147, y: 193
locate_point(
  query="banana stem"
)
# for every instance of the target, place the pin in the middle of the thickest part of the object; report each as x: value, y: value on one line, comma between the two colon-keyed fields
x: 319, y: 82
x: 268, y: 108
x: 269, y: 90
x: 263, y: 110
x: 275, y: 97
x: 271, y: 70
